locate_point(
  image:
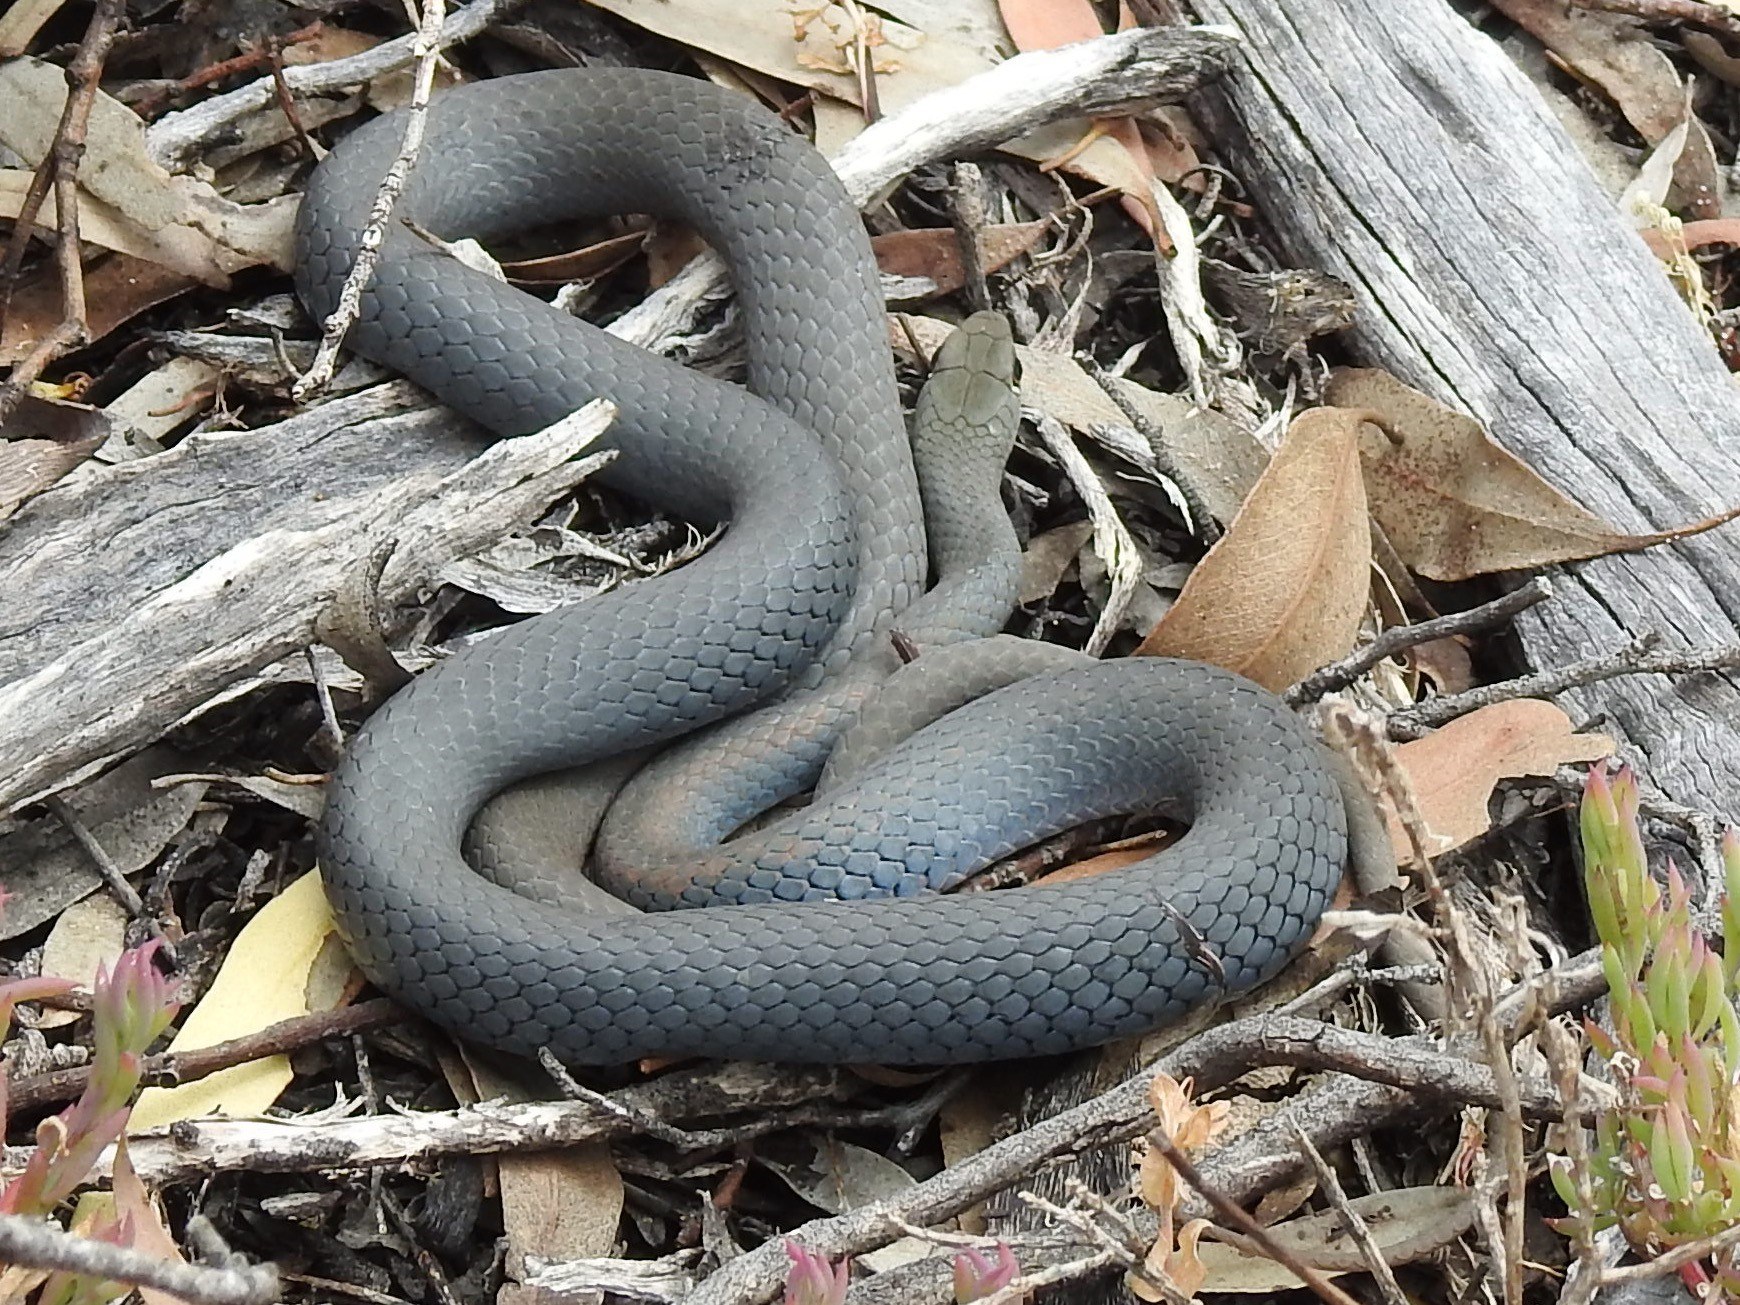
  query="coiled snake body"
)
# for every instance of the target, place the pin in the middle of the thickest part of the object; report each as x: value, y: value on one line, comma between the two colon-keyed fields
x: 811, y: 469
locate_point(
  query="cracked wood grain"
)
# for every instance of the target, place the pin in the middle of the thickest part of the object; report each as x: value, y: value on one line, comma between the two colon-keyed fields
x: 1396, y: 147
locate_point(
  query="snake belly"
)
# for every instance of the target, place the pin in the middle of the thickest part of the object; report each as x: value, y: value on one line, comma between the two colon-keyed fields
x: 817, y: 944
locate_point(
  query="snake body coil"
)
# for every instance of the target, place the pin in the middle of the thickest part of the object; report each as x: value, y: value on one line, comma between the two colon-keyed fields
x: 811, y: 471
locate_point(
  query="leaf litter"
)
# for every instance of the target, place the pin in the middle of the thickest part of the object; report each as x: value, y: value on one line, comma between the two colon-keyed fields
x: 1286, y: 590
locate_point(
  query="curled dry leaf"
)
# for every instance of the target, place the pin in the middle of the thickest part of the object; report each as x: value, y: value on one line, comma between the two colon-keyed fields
x: 1455, y: 769
x: 1190, y: 1127
x: 1119, y: 154
x: 1283, y: 591
x: 1456, y: 505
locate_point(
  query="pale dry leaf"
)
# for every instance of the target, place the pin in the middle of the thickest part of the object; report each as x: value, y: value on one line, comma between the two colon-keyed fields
x: 555, y: 1205
x: 44, y: 869
x: 1456, y: 505
x: 1647, y: 195
x: 89, y: 934
x: 287, y: 961
x: 1048, y: 557
x: 115, y: 169
x: 1284, y: 590
x: 1407, y: 1223
x: 150, y: 1233
x: 1185, y: 1266
x: 21, y: 21
x: 166, y: 398
x: 835, y: 38
x: 830, y: 1174
x: 1455, y: 768
x: 133, y: 204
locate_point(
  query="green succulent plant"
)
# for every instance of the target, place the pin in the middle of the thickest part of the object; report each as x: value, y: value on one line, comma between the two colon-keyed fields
x: 1664, y: 1163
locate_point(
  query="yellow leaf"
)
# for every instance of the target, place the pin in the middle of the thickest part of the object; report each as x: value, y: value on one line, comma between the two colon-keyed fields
x: 286, y: 962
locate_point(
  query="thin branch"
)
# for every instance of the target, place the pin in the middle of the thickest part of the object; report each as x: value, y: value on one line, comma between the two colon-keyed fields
x: 427, y: 50
x: 37, y: 1245
x: 173, y: 138
x: 1112, y: 539
x: 1675, y: 1260
x: 170, y: 1069
x: 1357, y: 1228
x: 1399, y: 638
x: 1201, y: 518
x: 1636, y: 658
x: 59, y: 168
x: 1712, y: 16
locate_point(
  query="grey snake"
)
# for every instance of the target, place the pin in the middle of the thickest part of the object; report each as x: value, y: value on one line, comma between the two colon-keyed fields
x: 809, y: 465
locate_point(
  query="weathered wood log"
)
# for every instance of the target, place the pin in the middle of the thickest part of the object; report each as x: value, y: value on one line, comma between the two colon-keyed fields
x: 140, y: 591
x: 1397, y: 148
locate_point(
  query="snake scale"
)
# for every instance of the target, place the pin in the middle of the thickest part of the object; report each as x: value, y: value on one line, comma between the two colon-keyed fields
x: 810, y: 467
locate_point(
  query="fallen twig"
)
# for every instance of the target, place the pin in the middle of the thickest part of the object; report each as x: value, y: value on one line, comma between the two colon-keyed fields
x: 171, y: 1069
x: 1112, y: 539
x: 1356, y: 1227
x: 1233, y: 1214
x: 1399, y: 638
x: 173, y: 138
x: 1637, y: 658
x: 39, y: 1245
x: 1212, y: 1059
x: 59, y: 168
x: 425, y: 50
x: 1712, y: 16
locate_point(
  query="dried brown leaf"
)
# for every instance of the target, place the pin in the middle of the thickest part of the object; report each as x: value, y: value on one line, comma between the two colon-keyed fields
x: 934, y: 253
x: 1047, y: 24
x: 1445, y: 662
x: 1456, y: 505
x: 1283, y: 591
x: 1454, y: 769
x: 117, y: 289
x: 1604, y: 50
x: 1407, y: 1223
x: 151, y: 1235
x: 555, y: 1205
